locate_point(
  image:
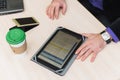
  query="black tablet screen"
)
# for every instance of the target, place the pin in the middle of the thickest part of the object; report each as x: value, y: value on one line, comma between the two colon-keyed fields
x: 57, y: 50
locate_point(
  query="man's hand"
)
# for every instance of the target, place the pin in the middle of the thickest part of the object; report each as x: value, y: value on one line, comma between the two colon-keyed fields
x: 55, y: 7
x: 93, y: 45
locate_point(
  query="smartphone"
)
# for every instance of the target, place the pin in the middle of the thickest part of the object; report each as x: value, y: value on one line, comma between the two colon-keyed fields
x: 26, y: 23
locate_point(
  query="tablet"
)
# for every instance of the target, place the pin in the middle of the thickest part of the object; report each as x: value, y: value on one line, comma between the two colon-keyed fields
x: 58, y: 52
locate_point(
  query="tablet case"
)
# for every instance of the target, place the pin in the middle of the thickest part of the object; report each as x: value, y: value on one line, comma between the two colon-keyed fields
x: 61, y: 71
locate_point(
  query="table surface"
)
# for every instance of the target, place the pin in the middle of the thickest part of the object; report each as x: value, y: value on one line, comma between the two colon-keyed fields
x: 78, y: 19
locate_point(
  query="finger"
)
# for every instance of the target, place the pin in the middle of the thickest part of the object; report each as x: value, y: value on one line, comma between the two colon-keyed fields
x: 47, y: 10
x: 82, y: 52
x: 81, y: 47
x: 86, y: 55
x: 64, y: 8
x: 51, y: 12
x: 93, y: 57
x: 57, y: 12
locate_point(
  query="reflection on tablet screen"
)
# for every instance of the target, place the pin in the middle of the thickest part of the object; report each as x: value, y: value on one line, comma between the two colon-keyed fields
x: 57, y: 50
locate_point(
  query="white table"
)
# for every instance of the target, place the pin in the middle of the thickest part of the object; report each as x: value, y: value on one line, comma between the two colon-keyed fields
x: 78, y: 19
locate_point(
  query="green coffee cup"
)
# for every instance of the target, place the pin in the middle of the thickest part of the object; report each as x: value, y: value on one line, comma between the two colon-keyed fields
x: 17, y: 40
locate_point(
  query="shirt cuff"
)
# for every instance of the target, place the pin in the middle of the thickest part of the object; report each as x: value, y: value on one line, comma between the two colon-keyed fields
x: 112, y: 34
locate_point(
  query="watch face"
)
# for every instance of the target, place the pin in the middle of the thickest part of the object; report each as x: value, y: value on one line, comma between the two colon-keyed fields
x: 105, y: 36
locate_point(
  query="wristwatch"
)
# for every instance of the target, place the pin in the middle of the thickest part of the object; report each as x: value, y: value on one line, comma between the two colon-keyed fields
x: 106, y: 36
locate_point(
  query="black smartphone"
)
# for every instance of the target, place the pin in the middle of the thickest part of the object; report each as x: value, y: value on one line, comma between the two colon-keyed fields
x: 26, y: 23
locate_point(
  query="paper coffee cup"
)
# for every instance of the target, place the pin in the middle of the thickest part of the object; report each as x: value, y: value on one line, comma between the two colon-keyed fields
x: 17, y: 40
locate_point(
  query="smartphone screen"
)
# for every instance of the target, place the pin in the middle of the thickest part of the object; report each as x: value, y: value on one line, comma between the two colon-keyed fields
x: 25, y: 21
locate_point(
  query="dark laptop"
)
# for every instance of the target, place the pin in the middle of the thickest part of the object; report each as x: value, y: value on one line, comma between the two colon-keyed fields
x: 11, y: 6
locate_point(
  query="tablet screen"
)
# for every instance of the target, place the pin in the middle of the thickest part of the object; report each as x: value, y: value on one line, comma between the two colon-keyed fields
x: 57, y: 51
